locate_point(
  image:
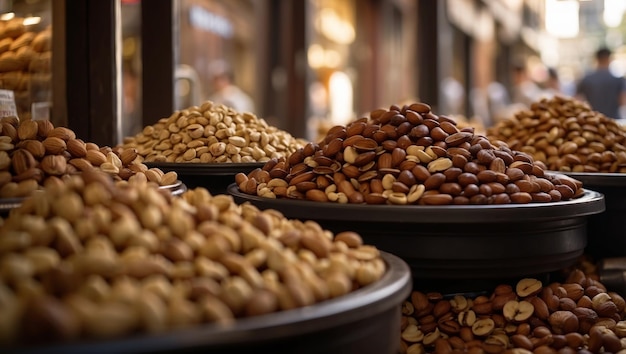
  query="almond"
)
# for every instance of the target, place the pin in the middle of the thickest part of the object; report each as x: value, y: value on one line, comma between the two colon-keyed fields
x: 77, y: 147
x: 95, y: 157
x: 55, y: 165
x: 45, y: 126
x: 54, y: 145
x: 9, y: 130
x: 81, y: 164
x: 22, y: 160
x: 35, y: 147
x: 128, y: 156
x: 62, y: 133
x: 31, y: 173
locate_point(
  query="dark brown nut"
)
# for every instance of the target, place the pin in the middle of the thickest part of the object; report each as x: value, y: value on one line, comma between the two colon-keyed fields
x: 551, y: 300
x: 441, y: 308
x: 594, y: 343
x: 618, y: 300
x: 574, y: 291
x: 436, y: 199
x: 419, y: 301
x: 521, y: 198
x: 584, y: 301
x: 499, y: 301
x: 541, y: 309
x: 521, y: 341
x: 563, y: 322
x: 574, y: 340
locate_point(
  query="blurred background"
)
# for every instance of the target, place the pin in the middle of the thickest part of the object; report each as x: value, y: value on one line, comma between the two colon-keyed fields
x: 307, y: 65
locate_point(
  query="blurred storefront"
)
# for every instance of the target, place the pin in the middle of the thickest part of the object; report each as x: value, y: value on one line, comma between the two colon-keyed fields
x: 305, y: 65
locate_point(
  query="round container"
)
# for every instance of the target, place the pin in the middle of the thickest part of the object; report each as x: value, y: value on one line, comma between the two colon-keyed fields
x: 213, y: 176
x: 612, y: 272
x: 362, y: 322
x: 606, y: 232
x: 458, y: 241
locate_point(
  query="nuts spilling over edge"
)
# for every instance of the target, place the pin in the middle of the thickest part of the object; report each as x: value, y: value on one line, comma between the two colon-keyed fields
x: 212, y: 133
x: 407, y: 155
x: 90, y: 259
x: 566, y: 135
x: 35, y: 153
x: 576, y: 316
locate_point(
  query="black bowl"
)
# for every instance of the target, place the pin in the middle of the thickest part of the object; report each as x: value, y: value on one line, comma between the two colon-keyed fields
x: 364, y: 321
x: 458, y: 241
x: 606, y: 232
x: 213, y: 176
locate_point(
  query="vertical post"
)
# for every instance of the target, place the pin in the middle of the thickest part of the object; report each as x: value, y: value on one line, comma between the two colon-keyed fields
x: 59, y: 70
x: 428, y: 50
x: 159, y: 31
x: 294, y: 59
x: 92, y: 67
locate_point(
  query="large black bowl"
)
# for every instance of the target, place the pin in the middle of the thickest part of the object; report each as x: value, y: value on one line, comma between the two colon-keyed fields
x: 458, y: 242
x: 213, y: 176
x: 366, y: 321
x: 606, y: 232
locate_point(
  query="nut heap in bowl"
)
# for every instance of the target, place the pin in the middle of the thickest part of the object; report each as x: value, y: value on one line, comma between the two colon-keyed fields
x: 212, y: 133
x: 92, y: 259
x: 566, y: 135
x: 578, y: 315
x: 35, y: 153
x: 408, y: 155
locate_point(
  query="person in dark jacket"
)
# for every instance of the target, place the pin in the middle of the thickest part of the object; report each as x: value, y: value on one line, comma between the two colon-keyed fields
x: 604, y: 91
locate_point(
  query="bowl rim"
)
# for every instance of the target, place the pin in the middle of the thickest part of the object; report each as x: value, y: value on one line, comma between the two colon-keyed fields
x: 589, y: 203
x: 388, y: 292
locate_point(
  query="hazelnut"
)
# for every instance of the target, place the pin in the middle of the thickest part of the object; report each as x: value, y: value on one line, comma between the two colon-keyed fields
x: 563, y: 322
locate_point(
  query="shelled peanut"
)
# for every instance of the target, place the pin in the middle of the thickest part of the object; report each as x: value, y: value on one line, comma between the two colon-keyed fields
x: 25, y: 61
x: 577, y: 316
x: 566, y: 135
x: 91, y: 259
x: 212, y: 133
x: 35, y: 153
x: 407, y: 155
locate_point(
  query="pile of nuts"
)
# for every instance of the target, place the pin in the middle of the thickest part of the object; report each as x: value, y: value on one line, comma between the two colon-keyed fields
x: 407, y: 155
x: 25, y: 63
x: 92, y: 259
x: 212, y: 133
x: 566, y: 135
x: 35, y: 153
x: 577, y: 316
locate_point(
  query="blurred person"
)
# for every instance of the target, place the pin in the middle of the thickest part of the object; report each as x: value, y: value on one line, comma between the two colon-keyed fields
x: 224, y: 89
x: 553, y: 83
x: 605, y: 92
x: 524, y: 91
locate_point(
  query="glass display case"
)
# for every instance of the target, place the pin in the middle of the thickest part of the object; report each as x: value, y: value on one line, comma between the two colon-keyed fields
x: 26, y: 57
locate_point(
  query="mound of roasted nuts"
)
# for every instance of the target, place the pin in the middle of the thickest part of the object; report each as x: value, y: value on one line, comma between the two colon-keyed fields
x: 577, y: 316
x: 35, y: 153
x: 212, y: 133
x: 566, y: 135
x: 407, y: 155
x: 92, y: 259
